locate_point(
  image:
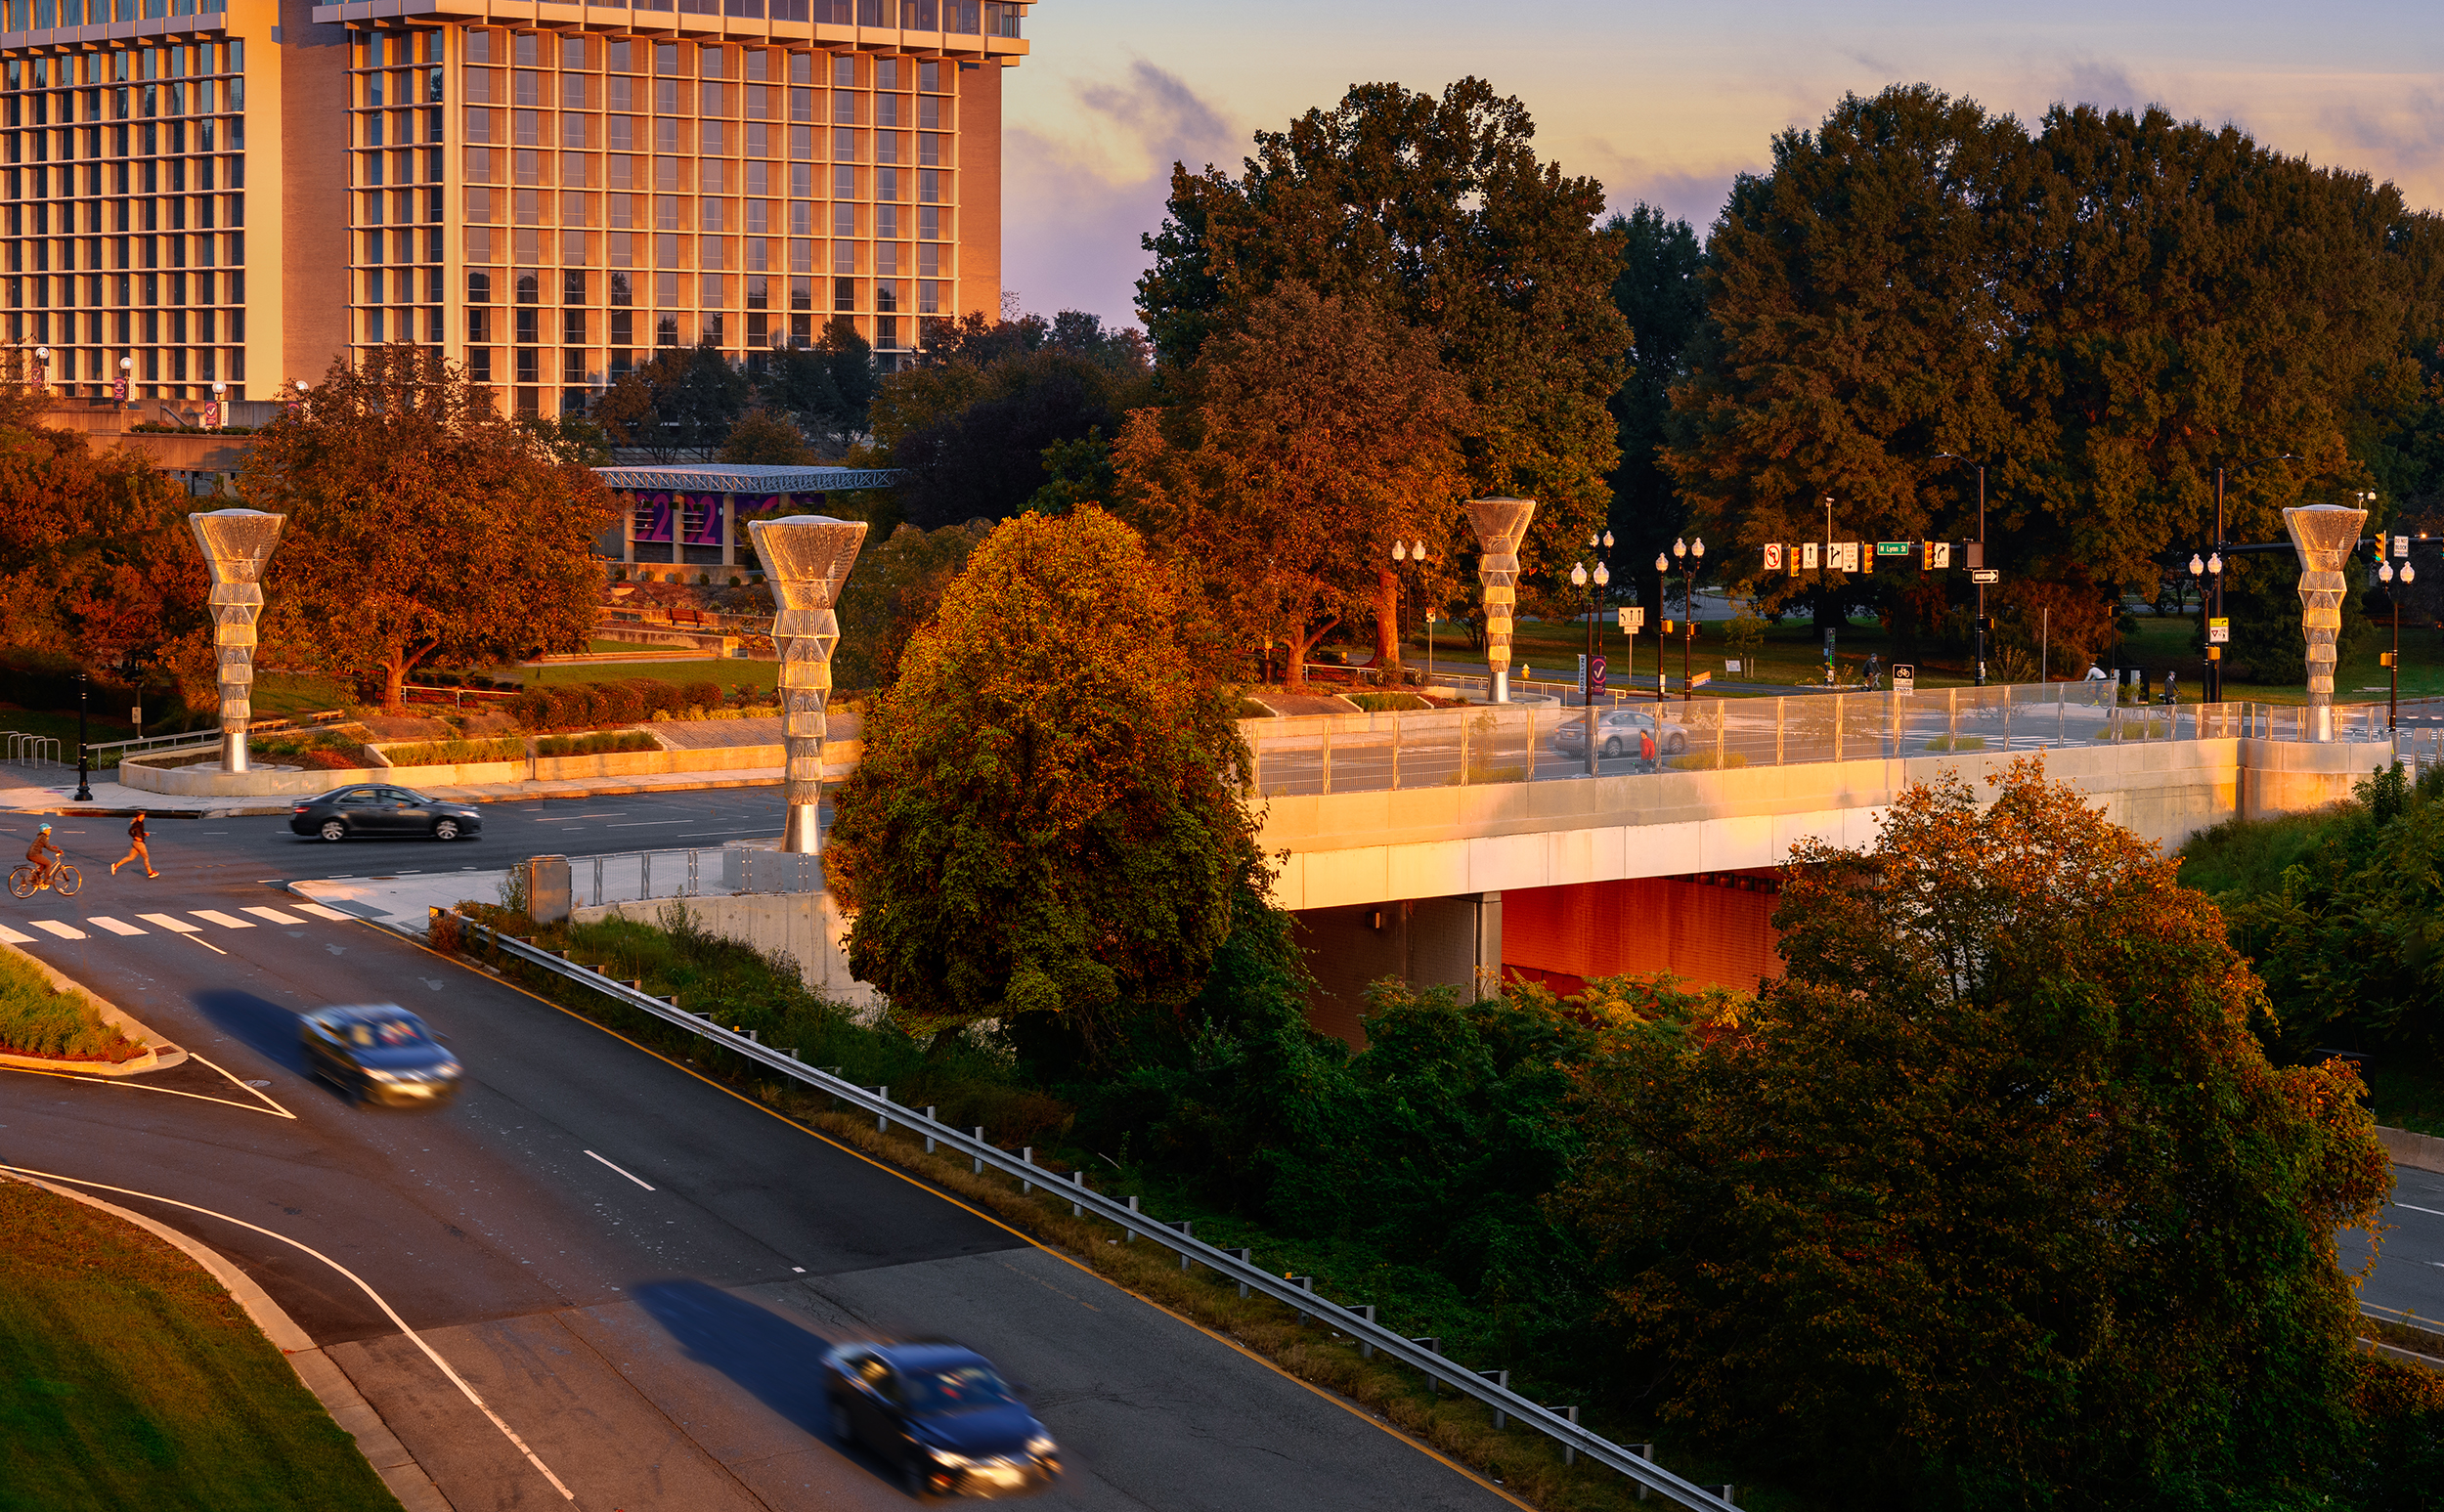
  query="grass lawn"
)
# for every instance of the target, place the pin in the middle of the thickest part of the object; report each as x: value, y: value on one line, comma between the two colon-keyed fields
x: 128, y: 1378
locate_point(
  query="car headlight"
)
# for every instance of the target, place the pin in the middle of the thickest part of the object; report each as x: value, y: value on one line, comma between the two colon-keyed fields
x: 949, y: 1460
x: 381, y: 1076
x: 1042, y: 1446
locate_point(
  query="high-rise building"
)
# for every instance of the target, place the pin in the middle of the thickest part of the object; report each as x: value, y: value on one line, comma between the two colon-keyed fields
x: 546, y: 192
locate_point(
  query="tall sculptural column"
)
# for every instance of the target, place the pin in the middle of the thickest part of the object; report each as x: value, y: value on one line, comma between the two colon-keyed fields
x: 235, y: 544
x: 2324, y: 536
x: 1501, y: 525
x: 806, y: 559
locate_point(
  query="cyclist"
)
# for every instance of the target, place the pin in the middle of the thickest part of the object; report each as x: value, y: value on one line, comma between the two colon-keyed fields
x: 1874, y: 674
x: 44, y: 855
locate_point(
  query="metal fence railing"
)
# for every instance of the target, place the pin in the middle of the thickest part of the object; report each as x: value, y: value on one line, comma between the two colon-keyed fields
x: 638, y: 876
x: 1422, y: 1354
x: 1535, y: 742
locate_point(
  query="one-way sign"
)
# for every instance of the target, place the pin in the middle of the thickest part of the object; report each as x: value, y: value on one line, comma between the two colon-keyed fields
x: 1985, y: 575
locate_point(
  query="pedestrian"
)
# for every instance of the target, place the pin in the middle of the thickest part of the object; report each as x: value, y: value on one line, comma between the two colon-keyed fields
x: 136, y: 847
x: 1647, y: 748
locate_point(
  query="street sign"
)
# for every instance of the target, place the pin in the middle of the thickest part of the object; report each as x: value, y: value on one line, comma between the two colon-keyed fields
x: 2401, y: 547
x: 1904, y: 679
x: 1985, y: 575
x: 1892, y: 548
x: 1807, y: 557
x: 1937, y: 555
x: 1774, y: 558
x: 1595, y: 677
x: 1633, y: 621
x: 2218, y: 633
x: 1701, y: 679
x: 1845, y: 556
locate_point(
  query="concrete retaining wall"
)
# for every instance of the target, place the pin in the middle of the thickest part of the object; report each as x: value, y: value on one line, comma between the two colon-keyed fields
x: 2419, y: 1152
x: 808, y: 927
x: 840, y: 757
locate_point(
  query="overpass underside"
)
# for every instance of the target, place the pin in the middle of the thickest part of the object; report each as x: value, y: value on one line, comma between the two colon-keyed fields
x: 1563, y: 880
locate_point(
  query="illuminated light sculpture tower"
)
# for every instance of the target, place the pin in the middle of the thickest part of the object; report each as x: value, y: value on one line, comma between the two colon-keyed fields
x: 2324, y: 536
x: 1501, y: 525
x: 235, y: 544
x: 806, y: 559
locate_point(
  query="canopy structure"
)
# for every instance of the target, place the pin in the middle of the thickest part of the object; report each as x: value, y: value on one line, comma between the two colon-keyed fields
x: 694, y: 513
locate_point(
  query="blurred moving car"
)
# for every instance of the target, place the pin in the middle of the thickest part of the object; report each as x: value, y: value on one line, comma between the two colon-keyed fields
x: 378, y: 1053
x: 375, y: 808
x: 1618, y: 729
x: 941, y: 1415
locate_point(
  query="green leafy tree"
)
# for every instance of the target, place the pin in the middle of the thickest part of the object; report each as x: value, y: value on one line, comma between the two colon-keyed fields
x: 682, y: 401
x: 896, y: 589
x: 1049, y: 818
x: 764, y: 437
x: 1436, y: 210
x: 1302, y: 445
x: 829, y: 386
x: 1993, y: 1200
x: 422, y: 527
x: 1660, y: 292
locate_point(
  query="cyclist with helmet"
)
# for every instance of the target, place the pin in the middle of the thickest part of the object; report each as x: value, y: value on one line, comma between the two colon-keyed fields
x: 44, y: 855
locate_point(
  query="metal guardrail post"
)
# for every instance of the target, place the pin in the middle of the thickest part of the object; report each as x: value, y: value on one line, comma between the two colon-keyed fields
x: 1501, y: 1378
x: 1423, y: 1356
x: 930, y: 1112
x: 978, y: 1161
x: 1365, y: 1350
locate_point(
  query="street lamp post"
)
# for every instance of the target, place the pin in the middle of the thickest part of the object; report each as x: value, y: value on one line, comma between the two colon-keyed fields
x: 2394, y: 697
x: 2215, y: 653
x: 119, y: 388
x: 1980, y: 563
x: 2211, y: 569
x: 42, y: 369
x: 1663, y: 566
x: 1594, y: 583
x: 1401, y: 551
x: 1691, y: 555
x: 84, y: 771
x: 213, y: 417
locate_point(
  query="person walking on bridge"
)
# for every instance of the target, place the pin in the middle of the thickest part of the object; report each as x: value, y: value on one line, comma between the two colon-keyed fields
x: 137, y: 841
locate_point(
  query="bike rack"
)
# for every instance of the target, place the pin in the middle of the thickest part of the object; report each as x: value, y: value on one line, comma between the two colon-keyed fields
x: 27, y: 750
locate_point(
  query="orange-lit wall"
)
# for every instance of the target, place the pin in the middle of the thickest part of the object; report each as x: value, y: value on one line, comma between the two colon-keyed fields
x: 1715, y: 933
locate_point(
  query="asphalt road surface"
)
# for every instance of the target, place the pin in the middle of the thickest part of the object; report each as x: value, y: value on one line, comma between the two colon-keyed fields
x: 2409, y: 1278
x: 634, y: 1270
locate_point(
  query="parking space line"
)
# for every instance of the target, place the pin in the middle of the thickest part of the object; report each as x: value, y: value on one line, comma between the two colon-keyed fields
x: 55, y: 927
x: 223, y: 920
x: 167, y: 921
x: 275, y: 916
x: 319, y: 912
x: 115, y: 926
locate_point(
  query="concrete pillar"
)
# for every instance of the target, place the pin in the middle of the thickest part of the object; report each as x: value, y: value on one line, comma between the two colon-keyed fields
x: 628, y: 530
x: 730, y: 531
x: 1488, y: 962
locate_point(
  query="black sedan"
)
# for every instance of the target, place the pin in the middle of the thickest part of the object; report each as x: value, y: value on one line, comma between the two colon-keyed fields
x: 380, y: 809
x: 940, y: 1415
x: 378, y: 1053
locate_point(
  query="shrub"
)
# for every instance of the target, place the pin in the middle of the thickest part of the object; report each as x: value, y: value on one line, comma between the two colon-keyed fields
x: 37, y: 1019
x: 1704, y: 761
x: 456, y: 752
x: 599, y: 743
x: 1956, y: 743
x: 620, y: 703
x: 1386, y: 702
x: 701, y: 695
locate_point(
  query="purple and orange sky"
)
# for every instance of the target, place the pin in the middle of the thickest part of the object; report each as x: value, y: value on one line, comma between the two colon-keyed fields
x: 1661, y: 101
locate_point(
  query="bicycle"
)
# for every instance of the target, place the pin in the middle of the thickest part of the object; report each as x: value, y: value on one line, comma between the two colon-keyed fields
x: 65, y: 881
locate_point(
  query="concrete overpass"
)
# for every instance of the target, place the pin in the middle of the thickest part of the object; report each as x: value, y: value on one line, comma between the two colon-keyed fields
x: 1461, y: 846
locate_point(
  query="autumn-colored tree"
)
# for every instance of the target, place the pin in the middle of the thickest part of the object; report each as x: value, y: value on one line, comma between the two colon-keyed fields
x: 1435, y: 210
x: 762, y: 437
x: 896, y: 589
x: 422, y: 526
x: 1049, y: 817
x: 1304, y: 442
x: 1994, y: 1200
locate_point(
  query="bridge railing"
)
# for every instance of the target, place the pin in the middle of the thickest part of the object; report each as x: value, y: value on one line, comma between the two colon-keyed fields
x: 638, y: 875
x: 1420, y: 1354
x: 1535, y: 742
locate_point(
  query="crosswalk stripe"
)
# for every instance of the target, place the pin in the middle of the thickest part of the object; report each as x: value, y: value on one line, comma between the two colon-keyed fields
x: 13, y: 938
x: 319, y: 912
x: 175, y: 925
x: 55, y: 927
x: 115, y: 926
x: 223, y: 920
x: 275, y: 916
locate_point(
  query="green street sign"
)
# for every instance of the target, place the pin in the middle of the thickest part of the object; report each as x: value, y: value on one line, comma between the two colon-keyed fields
x: 1892, y: 548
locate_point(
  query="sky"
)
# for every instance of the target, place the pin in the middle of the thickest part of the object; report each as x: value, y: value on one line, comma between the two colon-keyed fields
x: 1662, y: 103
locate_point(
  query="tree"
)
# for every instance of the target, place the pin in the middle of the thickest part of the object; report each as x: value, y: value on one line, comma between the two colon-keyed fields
x: 422, y: 526
x: 1437, y: 212
x: 1049, y: 818
x: 1659, y: 292
x: 683, y: 401
x: 896, y: 589
x: 1993, y: 1200
x: 829, y: 387
x: 763, y: 437
x: 1304, y: 442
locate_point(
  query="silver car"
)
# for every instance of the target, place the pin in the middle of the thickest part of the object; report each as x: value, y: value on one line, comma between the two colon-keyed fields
x: 1618, y: 729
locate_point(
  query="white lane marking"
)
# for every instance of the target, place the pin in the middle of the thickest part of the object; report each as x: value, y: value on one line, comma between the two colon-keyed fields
x: 55, y: 927
x: 223, y: 920
x: 319, y: 912
x: 115, y: 926
x: 273, y: 915
x: 648, y: 1186
x: 205, y: 944
x: 131, y: 1083
x: 2416, y: 1208
x: 431, y: 1353
x: 13, y: 938
x: 646, y: 824
x: 171, y: 923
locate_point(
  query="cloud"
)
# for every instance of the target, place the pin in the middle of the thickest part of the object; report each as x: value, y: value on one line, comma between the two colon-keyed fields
x: 1075, y: 204
x: 2089, y: 81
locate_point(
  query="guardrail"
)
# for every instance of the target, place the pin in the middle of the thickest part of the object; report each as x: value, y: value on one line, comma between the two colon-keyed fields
x: 145, y: 744
x: 1420, y: 1354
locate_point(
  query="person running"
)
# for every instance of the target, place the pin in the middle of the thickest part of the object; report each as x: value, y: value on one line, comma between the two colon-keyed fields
x: 44, y: 855
x: 137, y: 841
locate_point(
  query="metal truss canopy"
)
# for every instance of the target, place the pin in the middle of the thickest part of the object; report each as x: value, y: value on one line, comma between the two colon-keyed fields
x: 744, y: 477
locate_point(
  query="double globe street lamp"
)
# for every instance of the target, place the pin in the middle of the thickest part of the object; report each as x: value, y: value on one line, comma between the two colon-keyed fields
x: 1593, y: 585
x: 2393, y: 663
x: 1690, y: 555
x: 1403, y: 551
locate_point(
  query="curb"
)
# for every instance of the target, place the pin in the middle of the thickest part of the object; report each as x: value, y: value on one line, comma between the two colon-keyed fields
x: 330, y: 1385
x: 159, y: 1054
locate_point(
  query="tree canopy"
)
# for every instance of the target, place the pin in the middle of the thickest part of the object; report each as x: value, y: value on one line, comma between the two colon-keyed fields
x: 1050, y: 816
x: 422, y: 527
x: 1994, y: 1199
x: 1301, y: 444
x: 1659, y: 292
x: 1436, y: 211
x: 2100, y: 312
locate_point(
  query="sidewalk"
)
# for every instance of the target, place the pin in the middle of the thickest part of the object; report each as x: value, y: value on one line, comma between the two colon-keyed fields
x: 26, y: 793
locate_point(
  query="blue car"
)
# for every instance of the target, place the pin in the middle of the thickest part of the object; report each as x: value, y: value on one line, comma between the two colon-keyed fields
x: 379, y: 1053
x: 940, y: 1415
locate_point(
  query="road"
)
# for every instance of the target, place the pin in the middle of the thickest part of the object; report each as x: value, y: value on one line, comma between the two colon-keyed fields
x: 2409, y: 1278
x: 635, y: 1269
